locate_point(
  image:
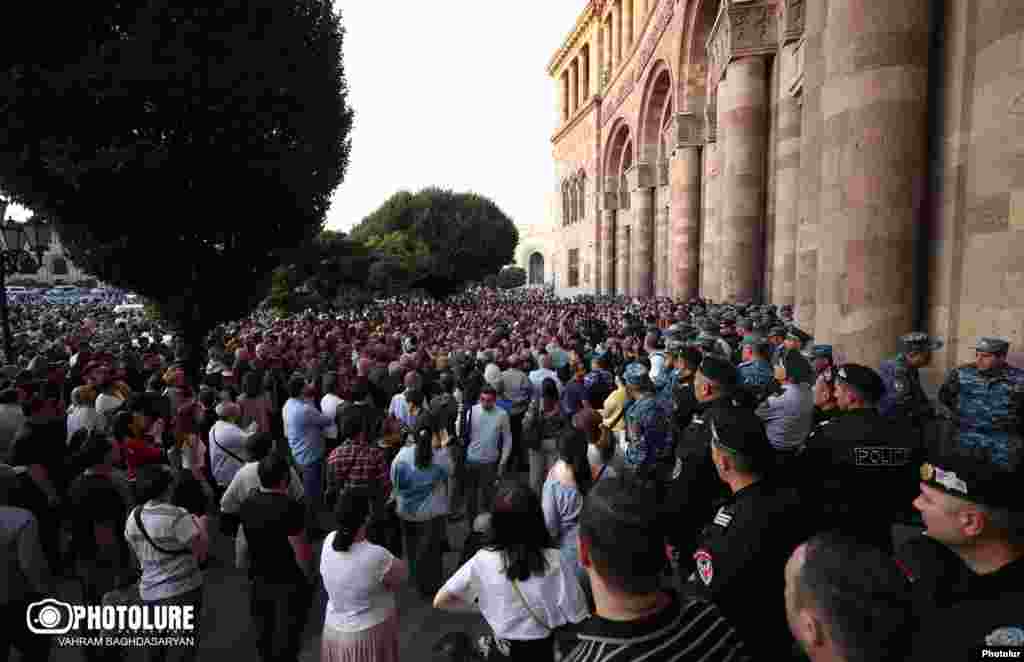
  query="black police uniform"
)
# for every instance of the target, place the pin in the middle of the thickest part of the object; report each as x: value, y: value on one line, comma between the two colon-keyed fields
x: 938, y: 576
x: 695, y: 490
x: 862, y: 470
x: 740, y: 560
x: 991, y: 614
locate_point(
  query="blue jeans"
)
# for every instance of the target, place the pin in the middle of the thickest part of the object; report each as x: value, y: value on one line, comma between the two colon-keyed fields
x: 312, y: 483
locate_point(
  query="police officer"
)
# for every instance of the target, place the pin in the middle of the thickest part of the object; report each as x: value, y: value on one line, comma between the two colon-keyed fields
x: 973, y: 506
x: 796, y: 338
x: 859, y: 467
x: 755, y: 371
x: 742, y: 552
x: 695, y: 487
x: 709, y: 338
x: 904, y: 396
x: 649, y: 441
x: 776, y: 338
x: 986, y: 398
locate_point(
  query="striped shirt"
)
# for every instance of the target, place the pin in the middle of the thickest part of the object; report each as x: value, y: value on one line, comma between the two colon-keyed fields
x: 172, y: 528
x: 687, y: 631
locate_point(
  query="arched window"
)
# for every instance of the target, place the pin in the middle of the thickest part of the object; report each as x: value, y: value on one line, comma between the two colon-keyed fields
x: 565, y: 204
x: 59, y: 266
x: 572, y: 201
x: 536, y: 269
x: 583, y: 196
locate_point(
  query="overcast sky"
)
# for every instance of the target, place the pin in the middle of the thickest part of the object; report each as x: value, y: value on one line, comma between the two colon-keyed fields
x: 454, y: 94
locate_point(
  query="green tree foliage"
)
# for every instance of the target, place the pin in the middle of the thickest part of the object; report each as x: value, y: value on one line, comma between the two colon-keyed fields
x: 466, y: 235
x: 510, y: 277
x: 319, y: 272
x: 180, y: 148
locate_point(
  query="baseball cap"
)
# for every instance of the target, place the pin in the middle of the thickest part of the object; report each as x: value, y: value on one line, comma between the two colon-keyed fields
x: 742, y: 432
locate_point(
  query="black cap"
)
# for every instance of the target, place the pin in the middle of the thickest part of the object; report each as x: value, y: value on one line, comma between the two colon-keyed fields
x: 719, y: 370
x: 864, y: 379
x: 976, y: 479
x: 742, y: 432
x: 798, y: 368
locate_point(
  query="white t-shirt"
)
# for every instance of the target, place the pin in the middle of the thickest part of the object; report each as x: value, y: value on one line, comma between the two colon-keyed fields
x: 329, y: 407
x: 357, y: 598
x: 555, y: 597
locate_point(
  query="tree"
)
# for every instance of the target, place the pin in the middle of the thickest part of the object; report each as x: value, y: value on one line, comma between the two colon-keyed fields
x: 466, y: 235
x: 510, y: 277
x: 327, y: 267
x: 181, y: 149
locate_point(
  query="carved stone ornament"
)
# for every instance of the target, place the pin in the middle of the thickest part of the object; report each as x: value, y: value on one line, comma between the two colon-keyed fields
x: 660, y: 25
x: 741, y: 30
x: 689, y: 130
x: 711, y: 118
x: 791, y: 21
x: 640, y: 176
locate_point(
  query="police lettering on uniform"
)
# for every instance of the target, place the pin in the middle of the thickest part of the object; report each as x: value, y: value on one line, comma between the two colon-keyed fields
x: 742, y: 551
x: 986, y: 399
x: 972, y: 505
x: 860, y: 467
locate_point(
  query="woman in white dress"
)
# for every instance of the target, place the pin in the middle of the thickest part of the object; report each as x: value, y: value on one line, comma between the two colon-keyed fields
x: 361, y: 621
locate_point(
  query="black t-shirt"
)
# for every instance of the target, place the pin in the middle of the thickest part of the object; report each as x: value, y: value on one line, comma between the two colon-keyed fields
x: 94, y: 500
x: 269, y: 519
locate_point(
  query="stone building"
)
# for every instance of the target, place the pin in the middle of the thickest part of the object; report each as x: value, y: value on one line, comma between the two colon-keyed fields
x: 861, y: 159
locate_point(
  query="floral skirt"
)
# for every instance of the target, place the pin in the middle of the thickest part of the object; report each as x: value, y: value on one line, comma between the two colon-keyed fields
x: 376, y: 644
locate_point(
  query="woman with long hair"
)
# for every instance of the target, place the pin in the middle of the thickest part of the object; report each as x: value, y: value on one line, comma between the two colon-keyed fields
x: 256, y: 406
x: 517, y: 580
x: 420, y: 474
x: 543, y: 424
x: 566, y: 486
x: 361, y: 619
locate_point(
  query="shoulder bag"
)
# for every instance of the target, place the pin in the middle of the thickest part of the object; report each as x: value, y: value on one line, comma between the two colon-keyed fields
x: 604, y: 436
x: 213, y: 438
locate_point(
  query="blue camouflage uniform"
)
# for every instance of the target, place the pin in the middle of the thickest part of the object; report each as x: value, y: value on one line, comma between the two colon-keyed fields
x: 755, y: 373
x: 904, y: 396
x: 648, y: 433
x: 988, y: 406
x: 664, y: 389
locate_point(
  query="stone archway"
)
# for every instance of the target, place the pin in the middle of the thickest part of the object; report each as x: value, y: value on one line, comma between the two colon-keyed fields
x: 536, y: 271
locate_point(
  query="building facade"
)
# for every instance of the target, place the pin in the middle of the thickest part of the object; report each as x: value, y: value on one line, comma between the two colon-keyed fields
x: 56, y: 268
x: 862, y: 160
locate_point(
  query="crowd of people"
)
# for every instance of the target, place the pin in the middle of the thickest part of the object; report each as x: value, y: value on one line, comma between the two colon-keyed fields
x: 638, y: 479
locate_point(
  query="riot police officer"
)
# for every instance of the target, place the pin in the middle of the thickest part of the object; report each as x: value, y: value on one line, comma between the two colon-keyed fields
x: 859, y: 467
x: 986, y: 399
x: 972, y: 505
x: 695, y: 487
x: 904, y: 396
x: 742, y: 552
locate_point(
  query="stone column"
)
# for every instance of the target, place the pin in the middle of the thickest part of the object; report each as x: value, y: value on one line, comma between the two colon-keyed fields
x: 610, y: 202
x: 663, y: 242
x: 787, y: 182
x: 812, y: 127
x: 574, y: 86
x: 622, y: 250
x: 874, y: 104
x: 684, y: 213
x: 641, y: 202
x: 711, y: 268
x: 746, y: 128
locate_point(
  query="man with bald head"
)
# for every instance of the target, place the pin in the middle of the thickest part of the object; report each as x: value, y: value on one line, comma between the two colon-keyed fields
x: 847, y: 601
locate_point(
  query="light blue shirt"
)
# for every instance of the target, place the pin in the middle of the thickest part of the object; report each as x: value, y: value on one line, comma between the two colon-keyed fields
x: 305, y: 431
x: 421, y: 493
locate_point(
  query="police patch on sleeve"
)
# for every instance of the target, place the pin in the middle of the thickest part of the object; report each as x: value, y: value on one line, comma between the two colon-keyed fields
x: 723, y: 518
x: 1006, y: 636
x: 705, y: 568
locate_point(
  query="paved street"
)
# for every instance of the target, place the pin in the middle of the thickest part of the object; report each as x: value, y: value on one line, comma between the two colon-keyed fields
x: 226, y: 615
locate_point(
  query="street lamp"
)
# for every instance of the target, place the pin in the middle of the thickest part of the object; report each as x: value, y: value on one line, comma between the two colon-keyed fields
x: 15, y: 259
